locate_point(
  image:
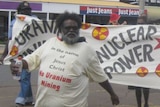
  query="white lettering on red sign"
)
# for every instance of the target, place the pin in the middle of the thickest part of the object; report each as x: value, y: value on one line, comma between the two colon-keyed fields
x: 123, y: 11
x: 96, y: 10
x: 129, y: 12
x: 104, y: 11
x: 92, y: 10
x: 133, y: 12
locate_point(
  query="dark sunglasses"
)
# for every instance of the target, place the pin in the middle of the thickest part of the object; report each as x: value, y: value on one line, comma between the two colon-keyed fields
x: 71, y: 27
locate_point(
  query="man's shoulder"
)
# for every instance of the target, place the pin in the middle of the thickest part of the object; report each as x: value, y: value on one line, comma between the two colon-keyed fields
x: 52, y: 39
x: 86, y: 46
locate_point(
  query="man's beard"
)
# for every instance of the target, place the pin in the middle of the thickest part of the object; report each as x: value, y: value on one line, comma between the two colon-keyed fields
x: 70, y: 40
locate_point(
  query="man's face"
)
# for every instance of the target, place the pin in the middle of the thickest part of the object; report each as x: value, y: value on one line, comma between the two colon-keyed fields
x: 70, y: 31
x: 25, y: 11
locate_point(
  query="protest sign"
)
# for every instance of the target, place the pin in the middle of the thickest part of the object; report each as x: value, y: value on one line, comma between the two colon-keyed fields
x: 129, y: 54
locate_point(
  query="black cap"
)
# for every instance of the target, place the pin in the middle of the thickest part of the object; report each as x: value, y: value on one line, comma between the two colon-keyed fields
x: 23, y: 5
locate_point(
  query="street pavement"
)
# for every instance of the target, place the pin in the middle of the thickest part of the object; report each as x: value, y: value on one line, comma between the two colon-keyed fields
x: 98, y: 97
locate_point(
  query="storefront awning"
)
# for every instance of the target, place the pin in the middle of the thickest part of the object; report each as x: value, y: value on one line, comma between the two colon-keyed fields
x: 90, y: 2
x: 153, y: 13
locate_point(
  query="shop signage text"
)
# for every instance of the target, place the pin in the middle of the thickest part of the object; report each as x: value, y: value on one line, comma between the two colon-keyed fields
x: 107, y: 11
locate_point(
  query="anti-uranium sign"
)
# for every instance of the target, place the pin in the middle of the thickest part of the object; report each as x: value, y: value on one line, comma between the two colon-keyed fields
x: 129, y: 54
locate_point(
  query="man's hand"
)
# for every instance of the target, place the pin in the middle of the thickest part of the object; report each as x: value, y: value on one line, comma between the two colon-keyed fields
x: 115, y: 99
x: 106, y: 85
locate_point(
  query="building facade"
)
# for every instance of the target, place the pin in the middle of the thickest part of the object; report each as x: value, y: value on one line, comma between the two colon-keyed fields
x: 49, y: 11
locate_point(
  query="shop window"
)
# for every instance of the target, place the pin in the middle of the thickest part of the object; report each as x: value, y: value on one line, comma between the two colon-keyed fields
x: 42, y: 16
x: 102, y: 20
x: 3, y: 26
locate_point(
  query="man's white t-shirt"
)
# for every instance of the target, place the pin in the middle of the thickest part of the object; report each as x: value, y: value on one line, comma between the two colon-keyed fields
x: 64, y: 73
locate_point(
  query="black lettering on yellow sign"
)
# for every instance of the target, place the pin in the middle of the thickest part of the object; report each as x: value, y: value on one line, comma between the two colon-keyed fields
x: 33, y: 30
x: 111, y: 48
x: 137, y: 54
x: 133, y: 57
x: 33, y: 47
x: 36, y: 28
x: 47, y: 27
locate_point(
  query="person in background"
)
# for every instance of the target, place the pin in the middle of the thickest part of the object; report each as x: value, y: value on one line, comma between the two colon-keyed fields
x: 25, y: 96
x: 141, y: 20
x: 66, y: 66
x: 114, y: 20
x: 140, y: 90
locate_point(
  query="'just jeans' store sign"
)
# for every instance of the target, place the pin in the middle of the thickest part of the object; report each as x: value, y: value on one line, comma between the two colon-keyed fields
x: 107, y: 11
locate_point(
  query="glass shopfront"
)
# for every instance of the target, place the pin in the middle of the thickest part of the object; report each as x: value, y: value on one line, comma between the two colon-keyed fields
x: 3, y: 25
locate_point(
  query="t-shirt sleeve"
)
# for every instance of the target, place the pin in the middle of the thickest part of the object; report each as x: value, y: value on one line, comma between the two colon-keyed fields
x: 34, y: 59
x: 95, y: 71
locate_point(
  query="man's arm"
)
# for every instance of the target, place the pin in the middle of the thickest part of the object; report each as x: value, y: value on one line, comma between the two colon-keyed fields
x: 25, y: 64
x: 107, y: 86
